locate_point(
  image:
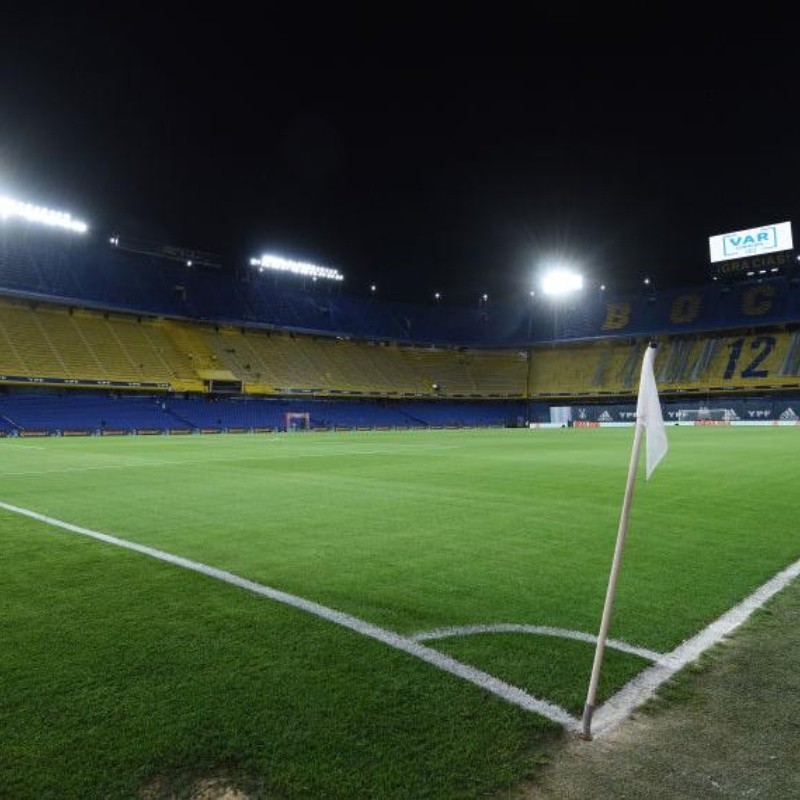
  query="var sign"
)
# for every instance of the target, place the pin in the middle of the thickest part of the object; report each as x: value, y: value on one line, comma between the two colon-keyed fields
x: 751, y: 242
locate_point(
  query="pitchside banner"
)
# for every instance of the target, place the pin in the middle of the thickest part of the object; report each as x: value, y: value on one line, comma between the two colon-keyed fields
x: 751, y: 242
x: 84, y: 382
x: 786, y: 409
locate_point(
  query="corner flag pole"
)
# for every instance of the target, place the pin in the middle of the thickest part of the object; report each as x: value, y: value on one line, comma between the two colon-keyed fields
x: 644, y: 410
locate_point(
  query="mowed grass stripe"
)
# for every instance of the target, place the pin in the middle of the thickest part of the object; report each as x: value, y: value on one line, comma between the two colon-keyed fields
x: 506, y: 526
x: 410, y: 646
x: 119, y: 670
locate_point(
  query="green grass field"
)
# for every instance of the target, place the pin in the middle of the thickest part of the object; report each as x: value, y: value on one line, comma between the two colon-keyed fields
x: 123, y: 675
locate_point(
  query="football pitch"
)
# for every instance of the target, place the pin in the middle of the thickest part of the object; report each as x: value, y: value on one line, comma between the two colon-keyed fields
x: 125, y: 675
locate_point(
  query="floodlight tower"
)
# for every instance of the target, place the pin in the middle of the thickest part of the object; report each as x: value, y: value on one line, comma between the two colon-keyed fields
x: 531, y: 298
x: 559, y: 282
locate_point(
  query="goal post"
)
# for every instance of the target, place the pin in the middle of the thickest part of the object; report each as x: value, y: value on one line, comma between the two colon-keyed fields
x: 296, y: 421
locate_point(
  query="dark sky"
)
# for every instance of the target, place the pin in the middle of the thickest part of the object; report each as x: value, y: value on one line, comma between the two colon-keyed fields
x: 420, y: 151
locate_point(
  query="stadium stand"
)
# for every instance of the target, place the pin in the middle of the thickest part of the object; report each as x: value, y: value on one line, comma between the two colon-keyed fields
x: 95, y: 413
x: 90, y: 272
x: 93, y: 273
x: 160, y: 337
x: 596, y: 368
x: 54, y: 344
x: 704, y: 364
x: 58, y: 344
x: 102, y: 413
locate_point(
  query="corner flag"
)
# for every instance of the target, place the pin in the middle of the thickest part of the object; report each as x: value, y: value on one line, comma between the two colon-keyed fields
x: 648, y: 413
x: 650, y: 420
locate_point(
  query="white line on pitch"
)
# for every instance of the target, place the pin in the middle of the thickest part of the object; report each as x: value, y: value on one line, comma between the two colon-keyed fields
x: 536, y: 630
x: 644, y: 685
x: 182, y: 462
x: 509, y: 693
x: 616, y: 709
x: 111, y: 466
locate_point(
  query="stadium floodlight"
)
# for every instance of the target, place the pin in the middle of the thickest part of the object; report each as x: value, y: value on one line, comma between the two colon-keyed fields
x: 278, y: 264
x: 561, y: 281
x: 10, y: 208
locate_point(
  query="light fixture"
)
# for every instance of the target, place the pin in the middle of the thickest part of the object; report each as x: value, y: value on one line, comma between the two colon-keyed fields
x: 561, y: 281
x: 279, y: 264
x: 10, y: 208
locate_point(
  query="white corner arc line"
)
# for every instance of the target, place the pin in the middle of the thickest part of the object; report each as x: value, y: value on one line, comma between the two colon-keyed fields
x: 511, y: 694
x: 536, y: 630
x: 644, y: 686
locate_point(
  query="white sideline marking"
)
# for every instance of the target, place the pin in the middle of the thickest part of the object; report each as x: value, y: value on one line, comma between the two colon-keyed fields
x: 509, y: 693
x: 537, y: 630
x: 95, y: 467
x: 183, y: 462
x: 644, y: 685
x: 133, y: 465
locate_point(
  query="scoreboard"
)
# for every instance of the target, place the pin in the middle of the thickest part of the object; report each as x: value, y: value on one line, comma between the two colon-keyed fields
x: 753, y: 252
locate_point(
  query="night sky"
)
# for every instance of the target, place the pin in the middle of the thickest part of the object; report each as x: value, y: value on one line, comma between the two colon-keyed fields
x: 417, y: 150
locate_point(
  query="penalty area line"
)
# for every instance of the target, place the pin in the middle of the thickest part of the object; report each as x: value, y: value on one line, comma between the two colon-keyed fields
x: 505, y: 691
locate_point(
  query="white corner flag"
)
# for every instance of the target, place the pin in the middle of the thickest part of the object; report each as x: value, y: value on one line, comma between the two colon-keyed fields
x: 648, y: 413
x: 650, y: 420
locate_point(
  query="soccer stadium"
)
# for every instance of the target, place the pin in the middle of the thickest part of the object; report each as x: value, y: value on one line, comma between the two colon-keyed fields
x: 262, y: 531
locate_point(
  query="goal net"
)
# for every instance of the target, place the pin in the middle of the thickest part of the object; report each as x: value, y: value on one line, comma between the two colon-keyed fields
x: 296, y: 421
